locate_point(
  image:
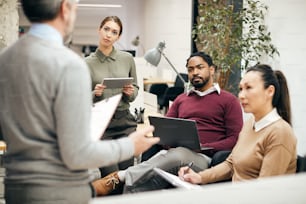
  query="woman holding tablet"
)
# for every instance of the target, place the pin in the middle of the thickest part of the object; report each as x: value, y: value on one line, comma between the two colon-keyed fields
x: 108, y: 62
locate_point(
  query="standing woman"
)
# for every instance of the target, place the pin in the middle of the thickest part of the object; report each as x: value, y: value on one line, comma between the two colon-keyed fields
x: 107, y: 61
x: 266, y: 145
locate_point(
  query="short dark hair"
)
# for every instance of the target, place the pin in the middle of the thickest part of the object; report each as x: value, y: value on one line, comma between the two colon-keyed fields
x: 204, y: 56
x: 41, y: 10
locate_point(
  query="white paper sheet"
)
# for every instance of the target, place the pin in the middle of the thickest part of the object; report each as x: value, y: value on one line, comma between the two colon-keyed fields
x: 175, y: 180
x: 101, y: 114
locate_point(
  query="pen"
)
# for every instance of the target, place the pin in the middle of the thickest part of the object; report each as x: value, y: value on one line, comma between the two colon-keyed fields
x: 189, y: 166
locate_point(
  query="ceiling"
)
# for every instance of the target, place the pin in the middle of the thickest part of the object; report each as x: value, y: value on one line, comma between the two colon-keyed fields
x: 89, y: 15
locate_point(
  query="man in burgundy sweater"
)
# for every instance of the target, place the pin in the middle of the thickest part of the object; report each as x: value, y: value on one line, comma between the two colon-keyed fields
x: 219, y: 120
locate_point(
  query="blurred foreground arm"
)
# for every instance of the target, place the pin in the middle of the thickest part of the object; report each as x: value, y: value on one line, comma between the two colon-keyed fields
x: 141, y: 141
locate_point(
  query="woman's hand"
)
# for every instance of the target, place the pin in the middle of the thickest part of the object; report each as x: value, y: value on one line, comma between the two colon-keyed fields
x: 187, y: 174
x: 99, y: 88
x: 128, y: 89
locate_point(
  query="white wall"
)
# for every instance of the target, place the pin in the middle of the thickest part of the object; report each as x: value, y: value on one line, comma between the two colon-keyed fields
x: 169, y: 21
x: 88, y: 21
x: 286, y: 20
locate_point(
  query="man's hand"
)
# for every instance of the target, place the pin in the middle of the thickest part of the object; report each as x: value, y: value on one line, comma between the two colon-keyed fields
x: 141, y: 141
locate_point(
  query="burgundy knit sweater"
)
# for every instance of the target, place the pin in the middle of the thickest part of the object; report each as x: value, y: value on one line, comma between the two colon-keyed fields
x: 219, y: 117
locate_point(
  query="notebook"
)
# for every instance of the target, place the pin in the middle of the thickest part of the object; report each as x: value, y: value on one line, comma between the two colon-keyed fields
x: 101, y: 114
x: 177, y: 132
x: 175, y: 180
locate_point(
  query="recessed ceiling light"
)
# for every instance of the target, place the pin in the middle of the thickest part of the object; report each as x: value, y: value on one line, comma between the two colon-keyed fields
x: 92, y: 5
x: 100, y: 5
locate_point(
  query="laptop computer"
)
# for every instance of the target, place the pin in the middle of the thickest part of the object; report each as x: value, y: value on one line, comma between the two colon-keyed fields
x: 177, y: 132
x: 101, y: 114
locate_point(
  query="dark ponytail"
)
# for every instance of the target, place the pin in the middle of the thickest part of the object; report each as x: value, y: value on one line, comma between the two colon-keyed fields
x: 283, y: 104
x: 281, y: 98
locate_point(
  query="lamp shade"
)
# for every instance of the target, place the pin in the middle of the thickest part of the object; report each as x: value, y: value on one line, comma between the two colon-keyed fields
x: 153, y: 56
x: 135, y: 41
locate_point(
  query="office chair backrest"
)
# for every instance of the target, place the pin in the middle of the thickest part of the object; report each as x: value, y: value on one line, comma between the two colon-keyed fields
x: 301, y: 164
x: 158, y: 89
x: 178, y: 82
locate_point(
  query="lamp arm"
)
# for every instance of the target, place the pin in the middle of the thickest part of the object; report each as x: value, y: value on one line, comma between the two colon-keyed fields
x: 143, y: 49
x: 172, y: 66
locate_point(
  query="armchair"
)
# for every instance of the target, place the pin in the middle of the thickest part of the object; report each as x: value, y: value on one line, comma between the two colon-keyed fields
x: 301, y: 164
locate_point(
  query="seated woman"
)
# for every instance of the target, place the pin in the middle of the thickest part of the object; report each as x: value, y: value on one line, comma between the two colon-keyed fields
x: 266, y: 144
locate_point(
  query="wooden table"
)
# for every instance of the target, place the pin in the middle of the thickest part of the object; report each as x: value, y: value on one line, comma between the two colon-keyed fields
x: 150, y: 81
x: 2, y: 147
x: 2, y: 151
x: 147, y: 82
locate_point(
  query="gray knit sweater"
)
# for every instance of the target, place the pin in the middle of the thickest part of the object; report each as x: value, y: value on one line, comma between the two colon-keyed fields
x: 45, y: 110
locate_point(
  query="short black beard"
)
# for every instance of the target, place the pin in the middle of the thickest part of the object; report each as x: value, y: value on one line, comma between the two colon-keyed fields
x: 200, y: 85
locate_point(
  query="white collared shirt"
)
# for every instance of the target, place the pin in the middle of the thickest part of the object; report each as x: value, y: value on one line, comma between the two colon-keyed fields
x: 267, y: 120
x: 46, y: 32
x: 215, y: 87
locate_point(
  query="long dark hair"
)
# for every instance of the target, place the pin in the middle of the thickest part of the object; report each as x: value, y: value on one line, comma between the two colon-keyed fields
x: 281, y: 98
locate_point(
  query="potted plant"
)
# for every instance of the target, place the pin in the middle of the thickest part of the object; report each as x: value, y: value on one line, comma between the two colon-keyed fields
x: 235, y: 37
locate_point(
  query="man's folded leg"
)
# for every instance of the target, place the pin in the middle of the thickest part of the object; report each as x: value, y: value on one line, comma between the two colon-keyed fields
x: 141, y: 177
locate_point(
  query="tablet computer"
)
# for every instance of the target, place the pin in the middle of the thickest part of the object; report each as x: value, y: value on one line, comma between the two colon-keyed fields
x: 112, y: 83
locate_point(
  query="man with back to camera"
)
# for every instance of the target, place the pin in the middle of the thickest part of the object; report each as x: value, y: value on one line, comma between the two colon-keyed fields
x: 45, y: 113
